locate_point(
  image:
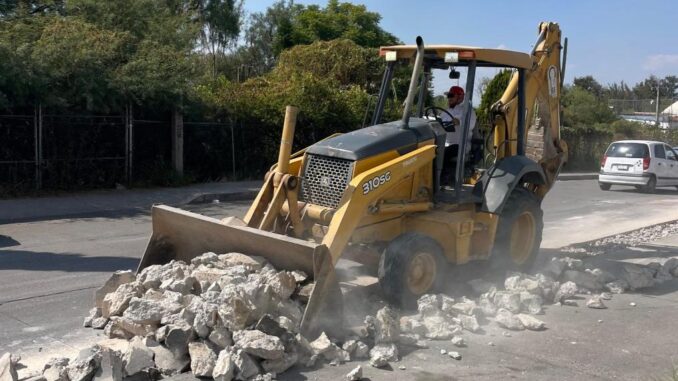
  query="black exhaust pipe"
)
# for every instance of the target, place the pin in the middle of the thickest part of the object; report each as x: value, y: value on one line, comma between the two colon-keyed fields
x: 416, y: 72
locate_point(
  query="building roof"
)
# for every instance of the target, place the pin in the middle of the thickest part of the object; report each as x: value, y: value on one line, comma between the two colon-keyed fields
x: 499, y: 57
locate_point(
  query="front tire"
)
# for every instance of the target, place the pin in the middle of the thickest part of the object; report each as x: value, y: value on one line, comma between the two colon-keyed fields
x: 604, y: 186
x: 410, y: 266
x: 519, y: 233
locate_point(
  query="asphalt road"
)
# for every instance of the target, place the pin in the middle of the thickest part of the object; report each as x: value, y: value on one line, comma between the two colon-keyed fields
x: 49, y: 269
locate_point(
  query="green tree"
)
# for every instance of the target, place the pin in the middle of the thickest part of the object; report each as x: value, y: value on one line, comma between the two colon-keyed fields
x: 492, y: 93
x: 286, y: 24
x: 589, y: 84
x: 341, y: 20
x: 75, y: 58
x: 583, y: 110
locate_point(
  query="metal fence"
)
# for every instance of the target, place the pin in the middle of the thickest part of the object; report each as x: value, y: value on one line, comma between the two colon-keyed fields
x: 648, y: 111
x: 61, y: 151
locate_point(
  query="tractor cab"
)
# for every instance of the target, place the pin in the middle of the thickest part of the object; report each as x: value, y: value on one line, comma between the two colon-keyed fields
x: 478, y: 150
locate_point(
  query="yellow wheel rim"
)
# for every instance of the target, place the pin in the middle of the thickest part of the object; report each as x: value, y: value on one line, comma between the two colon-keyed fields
x: 421, y: 273
x: 522, y: 237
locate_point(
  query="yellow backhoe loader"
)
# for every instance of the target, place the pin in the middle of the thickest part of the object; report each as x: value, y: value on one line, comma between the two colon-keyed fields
x: 375, y: 196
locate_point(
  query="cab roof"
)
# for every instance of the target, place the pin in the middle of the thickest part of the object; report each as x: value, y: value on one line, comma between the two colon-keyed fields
x: 483, y: 56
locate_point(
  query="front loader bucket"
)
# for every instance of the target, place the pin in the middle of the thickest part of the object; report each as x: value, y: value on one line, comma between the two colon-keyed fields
x: 182, y: 235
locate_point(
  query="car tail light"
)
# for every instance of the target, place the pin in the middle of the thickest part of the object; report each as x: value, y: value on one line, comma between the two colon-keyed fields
x: 646, y: 163
x: 603, y: 160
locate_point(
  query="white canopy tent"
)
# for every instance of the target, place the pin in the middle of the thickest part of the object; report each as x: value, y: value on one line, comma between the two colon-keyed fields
x: 671, y: 110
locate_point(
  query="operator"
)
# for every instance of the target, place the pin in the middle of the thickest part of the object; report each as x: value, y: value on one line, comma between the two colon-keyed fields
x: 455, y: 101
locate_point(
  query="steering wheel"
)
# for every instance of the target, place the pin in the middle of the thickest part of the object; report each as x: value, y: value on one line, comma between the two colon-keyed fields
x: 433, y: 111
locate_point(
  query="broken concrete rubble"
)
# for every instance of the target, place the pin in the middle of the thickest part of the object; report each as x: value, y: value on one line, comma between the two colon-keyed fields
x: 280, y: 365
x: 117, y: 278
x: 507, y: 300
x: 617, y: 287
x: 583, y: 280
x: 138, y: 357
x: 387, y: 325
x: 203, y: 359
x: 245, y: 365
x: 637, y: 277
x: 595, y: 302
x: 7, y: 368
x: 56, y: 369
x: 382, y: 354
x: 429, y: 305
x: 85, y: 365
x: 224, y: 367
x: 566, y: 291
x: 469, y: 323
x: 259, y: 344
x: 531, y: 323
x: 355, y: 375
x: 508, y: 320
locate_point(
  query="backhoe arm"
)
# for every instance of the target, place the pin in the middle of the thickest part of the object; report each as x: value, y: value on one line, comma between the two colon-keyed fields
x: 541, y: 139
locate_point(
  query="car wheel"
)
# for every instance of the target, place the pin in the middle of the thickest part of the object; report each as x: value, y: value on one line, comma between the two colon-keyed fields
x: 410, y: 266
x: 651, y: 185
x: 604, y: 186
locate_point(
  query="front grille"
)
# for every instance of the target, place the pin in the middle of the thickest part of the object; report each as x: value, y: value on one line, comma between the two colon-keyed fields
x: 325, y: 179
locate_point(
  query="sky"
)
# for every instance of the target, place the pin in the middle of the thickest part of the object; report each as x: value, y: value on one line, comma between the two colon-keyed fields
x: 613, y: 41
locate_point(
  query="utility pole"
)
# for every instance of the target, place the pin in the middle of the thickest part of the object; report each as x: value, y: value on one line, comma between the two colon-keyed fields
x: 657, y: 104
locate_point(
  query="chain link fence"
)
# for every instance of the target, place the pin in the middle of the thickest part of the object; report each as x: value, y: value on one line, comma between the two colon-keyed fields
x: 647, y: 111
x: 69, y: 151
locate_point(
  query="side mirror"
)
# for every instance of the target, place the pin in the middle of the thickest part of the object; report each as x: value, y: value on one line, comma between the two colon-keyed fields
x: 454, y: 74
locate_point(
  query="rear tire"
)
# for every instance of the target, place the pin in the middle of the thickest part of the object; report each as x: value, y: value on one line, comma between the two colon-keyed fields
x: 651, y: 186
x: 604, y: 186
x: 519, y: 233
x: 410, y: 266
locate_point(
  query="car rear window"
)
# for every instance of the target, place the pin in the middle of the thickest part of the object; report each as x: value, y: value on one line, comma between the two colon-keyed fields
x: 635, y: 150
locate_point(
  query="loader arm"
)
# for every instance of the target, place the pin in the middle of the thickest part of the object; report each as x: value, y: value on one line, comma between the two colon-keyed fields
x: 541, y: 141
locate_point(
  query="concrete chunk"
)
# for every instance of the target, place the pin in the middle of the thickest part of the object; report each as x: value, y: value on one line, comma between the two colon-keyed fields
x: 252, y: 263
x: 566, y: 291
x: 138, y: 357
x: 178, y: 337
x: 56, y: 369
x: 221, y: 337
x: 145, y: 311
x: 596, y: 302
x: 111, y: 368
x: 280, y: 365
x: 469, y: 323
x: 531, y: 323
x: 259, y: 344
x: 356, y: 374
x: 506, y: 319
x: 85, y: 365
x: 638, y: 277
x: 382, y: 354
x: 429, y: 305
x: 116, y: 302
x: 112, y: 284
x: 224, y: 367
x: 387, y: 325
x: 203, y: 359
x: 507, y: 300
x: 245, y: 365
x: 7, y: 368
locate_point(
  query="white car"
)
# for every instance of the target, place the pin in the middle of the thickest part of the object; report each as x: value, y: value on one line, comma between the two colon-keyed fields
x: 642, y: 163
